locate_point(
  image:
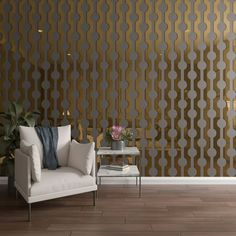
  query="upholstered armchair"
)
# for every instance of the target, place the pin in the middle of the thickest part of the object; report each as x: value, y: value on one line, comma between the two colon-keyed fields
x: 75, y: 175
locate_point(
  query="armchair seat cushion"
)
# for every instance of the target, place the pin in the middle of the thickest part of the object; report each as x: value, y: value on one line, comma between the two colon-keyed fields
x: 59, y: 180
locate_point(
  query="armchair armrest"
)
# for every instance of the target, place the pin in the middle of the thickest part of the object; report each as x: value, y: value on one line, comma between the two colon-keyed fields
x: 22, y: 173
x: 93, y: 171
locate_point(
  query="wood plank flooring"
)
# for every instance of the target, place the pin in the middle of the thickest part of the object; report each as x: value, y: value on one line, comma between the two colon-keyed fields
x: 179, y: 210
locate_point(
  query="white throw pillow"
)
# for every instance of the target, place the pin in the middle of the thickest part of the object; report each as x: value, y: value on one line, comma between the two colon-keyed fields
x: 63, y: 145
x: 29, y: 135
x: 82, y: 156
x: 33, y: 152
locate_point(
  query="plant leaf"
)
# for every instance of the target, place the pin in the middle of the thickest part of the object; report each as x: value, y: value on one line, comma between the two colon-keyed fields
x: 30, y: 121
x: 15, y: 109
x: 1, y: 129
x: 9, y: 128
x: 5, y: 115
x: 4, y: 146
x: 6, y: 138
x: 34, y: 113
x: 37, y: 113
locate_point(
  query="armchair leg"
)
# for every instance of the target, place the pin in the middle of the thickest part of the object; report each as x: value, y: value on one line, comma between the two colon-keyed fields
x: 94, y: 198
x: 29, y: 212
x: 16, y: 194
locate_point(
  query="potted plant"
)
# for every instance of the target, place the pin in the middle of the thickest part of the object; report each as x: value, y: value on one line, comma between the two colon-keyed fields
x: 118, y: 137
x: 9, y: 134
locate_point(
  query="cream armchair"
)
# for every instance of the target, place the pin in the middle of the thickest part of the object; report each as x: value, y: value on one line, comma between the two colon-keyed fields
x: 70, y: 179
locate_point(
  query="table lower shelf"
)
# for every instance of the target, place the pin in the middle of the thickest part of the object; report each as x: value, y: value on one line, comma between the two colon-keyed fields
x: 132, y: 171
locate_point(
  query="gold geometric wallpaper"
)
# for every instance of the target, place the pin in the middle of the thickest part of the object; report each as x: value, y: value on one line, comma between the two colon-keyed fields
x: 163, y: 68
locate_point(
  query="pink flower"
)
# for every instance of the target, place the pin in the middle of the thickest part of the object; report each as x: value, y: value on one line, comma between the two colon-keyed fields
x: 116, y: 132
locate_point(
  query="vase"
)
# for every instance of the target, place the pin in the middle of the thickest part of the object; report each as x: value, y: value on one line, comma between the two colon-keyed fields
x: 117, y: 145
x: 11, y: 175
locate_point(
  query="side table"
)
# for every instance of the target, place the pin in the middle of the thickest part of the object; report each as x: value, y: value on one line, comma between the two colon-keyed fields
x: 132, y: 171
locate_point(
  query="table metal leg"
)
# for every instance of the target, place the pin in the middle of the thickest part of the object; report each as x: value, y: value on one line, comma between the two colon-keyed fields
x: 138, y: 168
x: 140, y: 186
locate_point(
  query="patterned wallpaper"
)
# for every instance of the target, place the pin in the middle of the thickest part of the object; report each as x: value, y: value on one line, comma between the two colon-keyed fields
x: 163, y: 68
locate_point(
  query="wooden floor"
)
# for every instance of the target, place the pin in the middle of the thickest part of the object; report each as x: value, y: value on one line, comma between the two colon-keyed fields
x: 162, y: 211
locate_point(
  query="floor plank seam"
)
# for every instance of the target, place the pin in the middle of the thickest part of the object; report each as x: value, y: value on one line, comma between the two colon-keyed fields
x: 152, y: 230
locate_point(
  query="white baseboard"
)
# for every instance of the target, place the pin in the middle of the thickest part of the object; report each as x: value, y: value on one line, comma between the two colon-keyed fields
x: 163, y: 180
x: 172, y: 180
x: 3, y: 180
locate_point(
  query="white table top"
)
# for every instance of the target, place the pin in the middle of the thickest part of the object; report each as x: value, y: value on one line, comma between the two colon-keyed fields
x: 133, y: 151
x: 132, y: 171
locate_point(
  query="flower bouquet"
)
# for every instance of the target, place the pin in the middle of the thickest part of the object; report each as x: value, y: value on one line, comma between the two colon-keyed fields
x: 118, y: 137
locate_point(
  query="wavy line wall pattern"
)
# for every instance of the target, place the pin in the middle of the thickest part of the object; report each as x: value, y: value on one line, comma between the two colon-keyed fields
x: 165, y: 69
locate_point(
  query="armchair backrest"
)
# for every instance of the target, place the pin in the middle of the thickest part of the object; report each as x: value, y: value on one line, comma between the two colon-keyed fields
x: 64, y: 138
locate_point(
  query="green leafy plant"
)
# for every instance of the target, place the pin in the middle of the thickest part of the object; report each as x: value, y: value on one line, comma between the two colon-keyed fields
x: 9, y: 130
